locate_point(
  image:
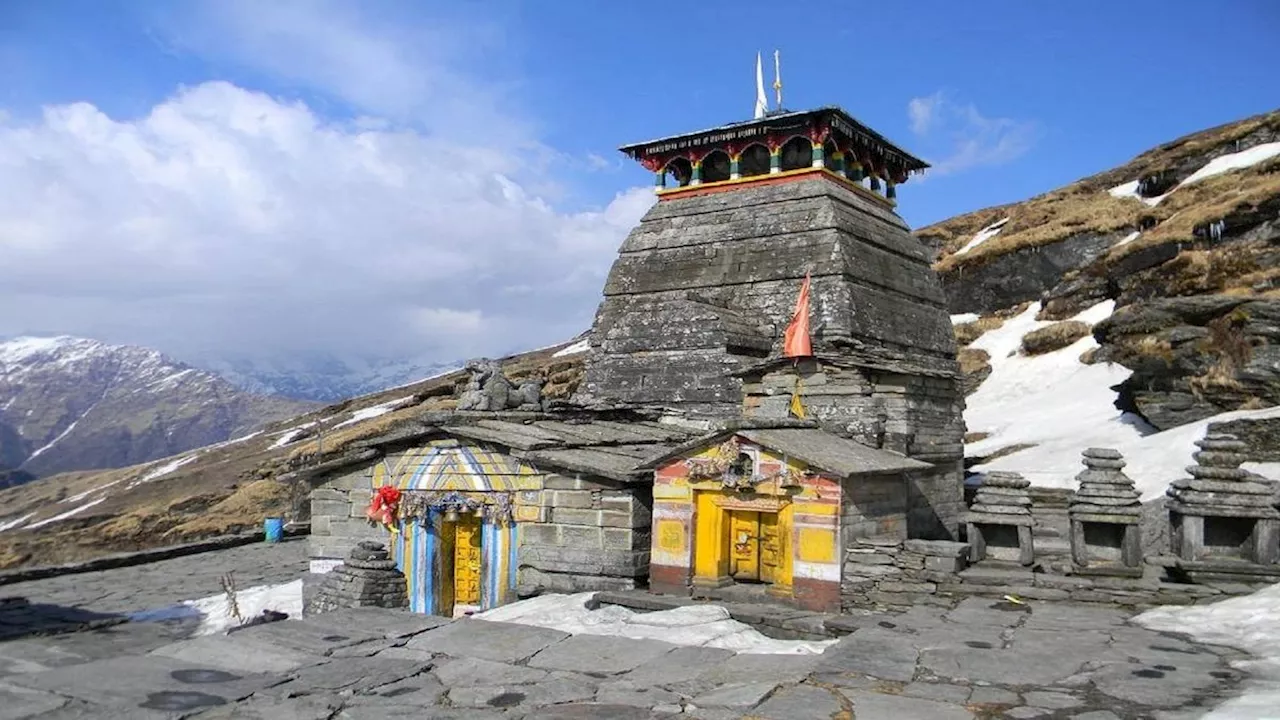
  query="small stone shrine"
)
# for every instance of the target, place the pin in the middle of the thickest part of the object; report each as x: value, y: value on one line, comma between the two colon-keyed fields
x: 999, y: 521
x: 1105, y: 512
x: 368, y: 578
x: 1224, y: 523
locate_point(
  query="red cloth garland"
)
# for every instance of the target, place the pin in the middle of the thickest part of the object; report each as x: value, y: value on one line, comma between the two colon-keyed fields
x: 383, y: 506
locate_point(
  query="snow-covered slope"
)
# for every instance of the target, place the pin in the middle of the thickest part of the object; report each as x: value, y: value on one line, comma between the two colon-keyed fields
x: 71, y: 403
x: 1055, y: 405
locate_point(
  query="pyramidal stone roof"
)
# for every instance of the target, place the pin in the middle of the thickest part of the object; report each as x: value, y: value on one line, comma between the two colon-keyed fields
x: 670, y: 331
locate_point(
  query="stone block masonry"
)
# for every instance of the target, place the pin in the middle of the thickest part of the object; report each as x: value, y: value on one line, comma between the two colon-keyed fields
x: 594, y: 535
x: 885, y: 572
x: 338, y: 523
x: 368, y: 578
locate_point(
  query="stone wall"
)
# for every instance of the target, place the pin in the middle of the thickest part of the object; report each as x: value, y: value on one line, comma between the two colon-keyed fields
x: 576, y: 534
x: 591, y: 534
x: 914, y: 415
x: 338, y: 523
x: 873, y: 506
x: 888, y: 572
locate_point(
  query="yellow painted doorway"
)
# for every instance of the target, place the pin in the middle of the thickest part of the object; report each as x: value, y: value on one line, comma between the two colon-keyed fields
x: 756, y: 553
x: 460, y: 566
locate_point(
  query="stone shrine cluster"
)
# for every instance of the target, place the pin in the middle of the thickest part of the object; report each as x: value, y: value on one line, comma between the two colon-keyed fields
x: 771, y: 407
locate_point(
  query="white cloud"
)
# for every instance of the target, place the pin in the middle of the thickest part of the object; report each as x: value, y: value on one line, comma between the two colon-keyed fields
x: 959, y: 137
x: 233, y: 221
x: 921, y: 112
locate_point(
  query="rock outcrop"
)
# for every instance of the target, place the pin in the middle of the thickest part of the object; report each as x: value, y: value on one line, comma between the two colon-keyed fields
x: 1194, y: 357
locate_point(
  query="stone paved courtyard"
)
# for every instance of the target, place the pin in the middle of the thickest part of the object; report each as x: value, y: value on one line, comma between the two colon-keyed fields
x: 979, y: 659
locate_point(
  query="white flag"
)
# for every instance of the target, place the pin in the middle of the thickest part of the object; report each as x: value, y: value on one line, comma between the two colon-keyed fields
x: 762, y: 103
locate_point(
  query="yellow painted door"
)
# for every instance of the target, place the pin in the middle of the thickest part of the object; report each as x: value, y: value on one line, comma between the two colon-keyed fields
x: 444, y: 580
x: 771, y: 548
x: 744, y: 545
x: 466, y: 564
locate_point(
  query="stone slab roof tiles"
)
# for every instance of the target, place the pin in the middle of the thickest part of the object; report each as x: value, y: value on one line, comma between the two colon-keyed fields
x: 1002, y: 499
x: 1105, y: 494
x: 819, y: 449
x: 1219, y: 487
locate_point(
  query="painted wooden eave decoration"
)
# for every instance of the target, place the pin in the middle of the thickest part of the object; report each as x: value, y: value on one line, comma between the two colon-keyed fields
x: 819, y: 449
x: 782, y: 122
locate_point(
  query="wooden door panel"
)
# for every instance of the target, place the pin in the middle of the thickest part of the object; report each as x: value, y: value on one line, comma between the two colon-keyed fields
x: 444, y: 579
x: 467, y: 560
x: 744, y: 545
x: 771, y: 548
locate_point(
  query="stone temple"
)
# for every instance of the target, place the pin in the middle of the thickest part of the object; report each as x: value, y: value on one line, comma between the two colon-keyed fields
x: 703, y: 451
x: 696, y: 303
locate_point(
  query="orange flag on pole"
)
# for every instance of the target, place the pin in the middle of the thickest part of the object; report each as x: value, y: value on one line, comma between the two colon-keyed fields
x: 795, y: 343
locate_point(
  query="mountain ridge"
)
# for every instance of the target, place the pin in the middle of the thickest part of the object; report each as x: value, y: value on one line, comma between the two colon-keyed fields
x: 69, y: 403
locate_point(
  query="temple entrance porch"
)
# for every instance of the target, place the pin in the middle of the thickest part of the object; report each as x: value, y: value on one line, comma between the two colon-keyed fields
x: 742, y: 539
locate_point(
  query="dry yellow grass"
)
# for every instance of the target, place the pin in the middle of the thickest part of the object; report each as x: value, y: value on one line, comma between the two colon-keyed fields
x: 1048, y: 219
x: 1201, y: 203
x: 970, y: 331
x: 1053, y: 337
x: 1086, y: 206
x: 241, y: 511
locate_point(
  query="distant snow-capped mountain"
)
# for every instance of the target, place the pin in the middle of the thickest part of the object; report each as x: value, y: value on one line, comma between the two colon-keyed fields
x: 70, y: 403
x: 322, y: 377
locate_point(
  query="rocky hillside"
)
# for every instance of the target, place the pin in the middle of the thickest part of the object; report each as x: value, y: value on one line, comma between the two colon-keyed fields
x: 76, y: 404
x: 229, y: 486
x: 1184, y: 239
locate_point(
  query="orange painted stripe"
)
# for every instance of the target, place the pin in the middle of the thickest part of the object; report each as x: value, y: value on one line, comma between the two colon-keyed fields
x: 775, y: 179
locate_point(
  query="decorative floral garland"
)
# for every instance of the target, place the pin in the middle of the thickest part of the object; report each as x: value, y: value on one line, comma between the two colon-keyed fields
x: 389, y: 506
x: 719, y: 465
x: 384, y: 507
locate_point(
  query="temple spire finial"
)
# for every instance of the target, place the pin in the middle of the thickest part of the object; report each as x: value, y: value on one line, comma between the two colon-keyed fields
x: 777, y: 80
x: 762, y: 102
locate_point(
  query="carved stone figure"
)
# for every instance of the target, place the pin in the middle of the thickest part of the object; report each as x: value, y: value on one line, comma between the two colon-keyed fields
x: 489, y: 390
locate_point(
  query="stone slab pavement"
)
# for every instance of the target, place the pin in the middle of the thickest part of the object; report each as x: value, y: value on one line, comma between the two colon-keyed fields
x: 978, y: 660
x: 163, y: 583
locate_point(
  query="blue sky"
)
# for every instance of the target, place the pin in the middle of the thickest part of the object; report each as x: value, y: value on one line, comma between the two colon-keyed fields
x: 1083, y: 86
x: 214, y: 143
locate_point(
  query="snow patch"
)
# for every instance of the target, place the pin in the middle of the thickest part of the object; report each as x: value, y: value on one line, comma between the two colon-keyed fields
x: 16, y: 522
x: 63, y: 516
x: 54, y: 441
x: 963, y: 318
x: 213, y: 610
x: 373, y: 412
x: 1250, y: 623
x: 1217, y: 166
x: 1234, y: 161
x: 163, y: 470
x: 1128, y: 239
x: 290, y: 435
x: 695, y: 625
x: 82, y: 495
x: 983, y: 235
x: 1060, y: 406
x: 1129, y: 189
x: 579, y: 347
x: 233, y: 441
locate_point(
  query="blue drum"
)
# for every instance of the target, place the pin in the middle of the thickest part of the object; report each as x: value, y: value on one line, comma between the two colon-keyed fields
x: 273, y: 529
